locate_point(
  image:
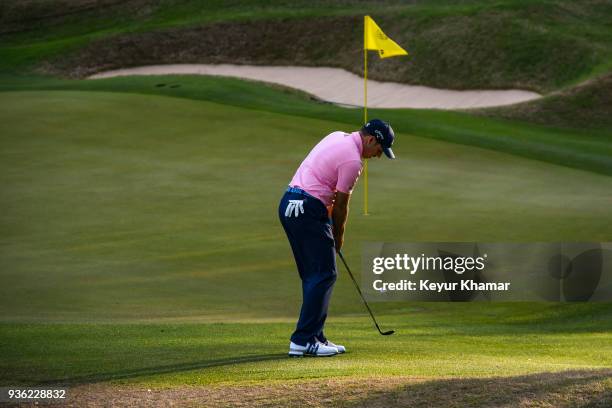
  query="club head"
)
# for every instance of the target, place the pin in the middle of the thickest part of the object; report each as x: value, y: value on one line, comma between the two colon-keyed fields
x: 388, y: 333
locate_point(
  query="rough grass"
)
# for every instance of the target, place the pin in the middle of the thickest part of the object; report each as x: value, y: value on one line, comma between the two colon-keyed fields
x: 532, y: 45
x: 588, y: 105
x: 546, y: 46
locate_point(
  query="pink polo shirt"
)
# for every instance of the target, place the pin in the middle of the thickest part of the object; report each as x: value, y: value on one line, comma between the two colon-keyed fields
x: 334, y: 164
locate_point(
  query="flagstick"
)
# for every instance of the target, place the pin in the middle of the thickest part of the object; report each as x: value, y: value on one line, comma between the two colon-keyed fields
x: 365, y: 120
x: 386, y: 47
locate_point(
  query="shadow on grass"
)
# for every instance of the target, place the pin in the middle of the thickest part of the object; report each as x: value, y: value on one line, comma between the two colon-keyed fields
x: 592, y: 388
x: 585, y: 388
x: 163, y: 369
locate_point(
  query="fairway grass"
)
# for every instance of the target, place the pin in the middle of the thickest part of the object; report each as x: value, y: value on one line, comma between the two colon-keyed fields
x: 441, y: 355
x: 436, y: 341
x: 141, y: 248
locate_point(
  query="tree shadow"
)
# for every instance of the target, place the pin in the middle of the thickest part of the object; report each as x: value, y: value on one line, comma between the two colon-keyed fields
x: 162, y: 369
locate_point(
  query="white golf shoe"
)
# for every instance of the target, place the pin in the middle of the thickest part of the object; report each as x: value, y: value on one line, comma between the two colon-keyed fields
x: 316, y: 349
x: 341, y: 349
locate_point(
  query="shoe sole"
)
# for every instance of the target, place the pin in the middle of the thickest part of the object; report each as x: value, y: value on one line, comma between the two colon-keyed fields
x: 298, y: 354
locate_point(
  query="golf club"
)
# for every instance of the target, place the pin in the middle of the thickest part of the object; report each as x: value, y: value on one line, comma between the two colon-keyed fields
x: 387, y: 333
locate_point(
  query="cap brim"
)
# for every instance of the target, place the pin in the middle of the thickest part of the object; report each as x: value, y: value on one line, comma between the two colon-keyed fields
x: 388, y: 152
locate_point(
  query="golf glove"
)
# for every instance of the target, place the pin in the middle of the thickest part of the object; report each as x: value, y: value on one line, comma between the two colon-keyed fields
x: 295, y: 206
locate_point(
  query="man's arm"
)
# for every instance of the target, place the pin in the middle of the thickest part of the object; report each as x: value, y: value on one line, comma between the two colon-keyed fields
x: 339, y: 216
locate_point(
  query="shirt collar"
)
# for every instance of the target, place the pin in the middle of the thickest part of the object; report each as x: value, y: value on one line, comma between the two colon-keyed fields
x: 358, y: 140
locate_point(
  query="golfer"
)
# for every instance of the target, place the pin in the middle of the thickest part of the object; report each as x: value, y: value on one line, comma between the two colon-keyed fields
x: 322, y: 187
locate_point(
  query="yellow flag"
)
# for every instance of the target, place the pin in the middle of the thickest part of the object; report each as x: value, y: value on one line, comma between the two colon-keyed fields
x: 375, y: 39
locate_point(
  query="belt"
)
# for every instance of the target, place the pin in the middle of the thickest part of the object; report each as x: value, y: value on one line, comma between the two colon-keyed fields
x: 299, y: 191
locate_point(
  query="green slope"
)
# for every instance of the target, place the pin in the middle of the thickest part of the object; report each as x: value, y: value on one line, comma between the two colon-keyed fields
x: 586, y: 106
x: 588, y: 149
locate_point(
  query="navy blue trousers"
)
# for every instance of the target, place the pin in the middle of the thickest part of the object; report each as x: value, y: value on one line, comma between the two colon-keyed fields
x: 309, y: 231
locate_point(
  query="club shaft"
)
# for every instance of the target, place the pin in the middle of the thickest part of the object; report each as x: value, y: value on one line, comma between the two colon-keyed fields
x: 359, y: 291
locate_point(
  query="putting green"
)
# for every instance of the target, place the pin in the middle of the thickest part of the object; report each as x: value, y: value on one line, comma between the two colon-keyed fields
x: 125, y: 206
x: 140, y: 245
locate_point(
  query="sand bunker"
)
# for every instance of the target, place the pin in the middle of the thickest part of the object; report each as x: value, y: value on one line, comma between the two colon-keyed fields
x: 342, y: 87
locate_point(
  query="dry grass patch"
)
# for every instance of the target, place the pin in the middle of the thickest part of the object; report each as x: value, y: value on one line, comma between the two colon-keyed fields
x: 588, y: 388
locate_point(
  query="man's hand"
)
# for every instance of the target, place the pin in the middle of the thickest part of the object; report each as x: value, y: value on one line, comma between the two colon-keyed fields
x: 338, y: 242
x: 339, y: 216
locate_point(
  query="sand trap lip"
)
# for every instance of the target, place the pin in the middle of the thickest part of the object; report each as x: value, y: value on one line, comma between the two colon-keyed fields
x: 342, y: 87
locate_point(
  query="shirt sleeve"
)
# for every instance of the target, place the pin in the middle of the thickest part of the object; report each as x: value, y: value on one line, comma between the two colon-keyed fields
x: 348, y: 173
